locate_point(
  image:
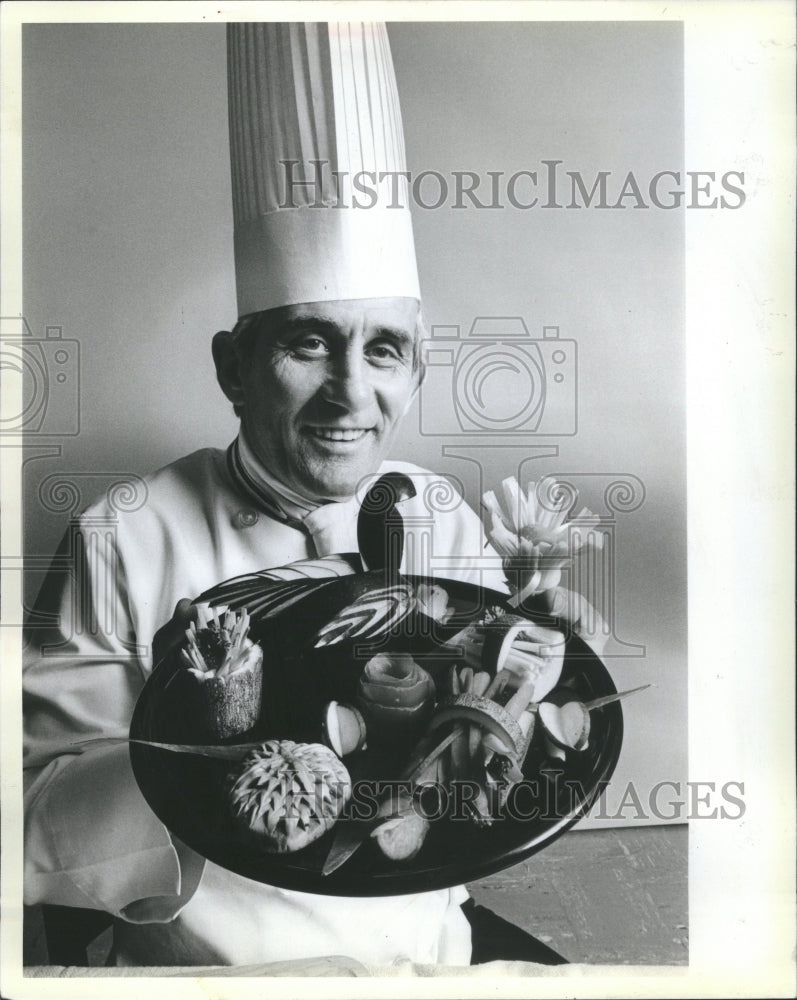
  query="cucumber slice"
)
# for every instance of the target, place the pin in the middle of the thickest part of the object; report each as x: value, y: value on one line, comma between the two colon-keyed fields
x: 483, y: 712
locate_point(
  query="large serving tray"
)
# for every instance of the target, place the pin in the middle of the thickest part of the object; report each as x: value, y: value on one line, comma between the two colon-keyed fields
x: 188, y: 792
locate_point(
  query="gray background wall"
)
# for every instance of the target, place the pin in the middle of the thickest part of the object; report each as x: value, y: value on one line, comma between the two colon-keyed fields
x: 128, y: 248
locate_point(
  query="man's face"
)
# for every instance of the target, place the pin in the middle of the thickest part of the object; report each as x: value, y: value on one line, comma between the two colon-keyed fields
x: 325, y: 388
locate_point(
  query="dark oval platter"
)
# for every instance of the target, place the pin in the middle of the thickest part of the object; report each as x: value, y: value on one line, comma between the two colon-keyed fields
x: 188, y: 792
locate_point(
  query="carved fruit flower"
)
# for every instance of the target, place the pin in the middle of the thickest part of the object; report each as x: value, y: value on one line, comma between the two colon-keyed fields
x: 532, y: 533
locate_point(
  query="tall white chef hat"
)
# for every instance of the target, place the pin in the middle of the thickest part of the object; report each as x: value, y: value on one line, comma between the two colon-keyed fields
x: 316, y: 147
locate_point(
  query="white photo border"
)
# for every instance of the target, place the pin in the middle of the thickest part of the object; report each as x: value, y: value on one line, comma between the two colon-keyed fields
x: 739, y: 80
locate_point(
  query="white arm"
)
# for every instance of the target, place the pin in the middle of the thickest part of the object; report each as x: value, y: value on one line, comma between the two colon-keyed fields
x: 91, y: 840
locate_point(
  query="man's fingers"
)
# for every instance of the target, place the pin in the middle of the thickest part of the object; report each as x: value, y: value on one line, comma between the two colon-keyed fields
x: 185, y: 612
x: 171, y: 634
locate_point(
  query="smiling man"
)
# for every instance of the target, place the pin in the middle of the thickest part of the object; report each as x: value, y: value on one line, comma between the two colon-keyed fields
x: 321, y: 367
x: 321, y: 388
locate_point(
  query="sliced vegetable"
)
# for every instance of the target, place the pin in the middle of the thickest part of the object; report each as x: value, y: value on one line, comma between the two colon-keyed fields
x: 402, y: 837
x: 568, y: 725
x: 433, y: 602
x: 404, y: 830
x: 481, y: 681
x: 482, y: 711
x: 343, y: 728
x: 526, y: 723
x: 510, y: 646
x: 396, y: 697
x: 373, y: 613
x: 527, y: 651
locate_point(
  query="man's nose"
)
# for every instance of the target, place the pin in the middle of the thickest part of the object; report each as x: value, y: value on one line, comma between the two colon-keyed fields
x: 348, y: 385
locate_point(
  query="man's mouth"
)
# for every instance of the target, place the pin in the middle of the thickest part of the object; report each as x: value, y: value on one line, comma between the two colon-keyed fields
x: 338, y: 433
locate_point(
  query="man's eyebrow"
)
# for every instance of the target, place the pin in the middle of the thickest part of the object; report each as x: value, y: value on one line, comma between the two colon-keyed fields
x: 398, y: 334
x: 299, y: 324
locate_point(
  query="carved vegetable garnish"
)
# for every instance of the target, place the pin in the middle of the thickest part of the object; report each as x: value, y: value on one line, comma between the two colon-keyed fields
x: 568, y: 725
x: 289, y: 794
x: 228, y: 669
x: 396, y: 698
x: 344, y: 728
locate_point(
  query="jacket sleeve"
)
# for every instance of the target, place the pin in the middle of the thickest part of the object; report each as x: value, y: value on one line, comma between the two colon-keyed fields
x: 91, y: 840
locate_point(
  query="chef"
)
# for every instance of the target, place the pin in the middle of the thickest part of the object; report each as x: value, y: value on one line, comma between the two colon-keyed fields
x: 321, y: 367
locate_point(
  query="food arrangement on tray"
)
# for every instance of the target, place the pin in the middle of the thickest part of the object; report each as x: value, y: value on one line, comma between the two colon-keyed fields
x: 370, y: 732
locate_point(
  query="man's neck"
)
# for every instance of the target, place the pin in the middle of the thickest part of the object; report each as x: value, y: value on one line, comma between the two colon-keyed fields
x: 295, y: 505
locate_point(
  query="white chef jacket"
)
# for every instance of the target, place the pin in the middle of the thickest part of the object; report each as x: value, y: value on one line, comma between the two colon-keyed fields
x: 91, y: 840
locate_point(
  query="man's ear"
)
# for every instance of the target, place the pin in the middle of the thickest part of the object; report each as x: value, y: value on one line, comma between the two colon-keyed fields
x: 418, y: 376
x: 228, y: 368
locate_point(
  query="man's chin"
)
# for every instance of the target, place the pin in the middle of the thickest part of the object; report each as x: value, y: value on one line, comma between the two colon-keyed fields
x: 341, y: 480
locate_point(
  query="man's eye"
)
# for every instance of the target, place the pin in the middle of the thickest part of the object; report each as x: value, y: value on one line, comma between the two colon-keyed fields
x: 384, y: 352
x: 310, y: 347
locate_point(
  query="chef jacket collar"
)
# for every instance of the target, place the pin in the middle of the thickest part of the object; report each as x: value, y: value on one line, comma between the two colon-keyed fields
x: 329, y: 524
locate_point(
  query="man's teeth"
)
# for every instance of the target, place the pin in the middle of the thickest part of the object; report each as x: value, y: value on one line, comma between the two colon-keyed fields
x: 338, y: 434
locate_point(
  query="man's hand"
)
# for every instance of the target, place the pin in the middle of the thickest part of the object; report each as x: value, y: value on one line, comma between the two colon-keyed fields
x: 576, y: 610
x: 172, y: 633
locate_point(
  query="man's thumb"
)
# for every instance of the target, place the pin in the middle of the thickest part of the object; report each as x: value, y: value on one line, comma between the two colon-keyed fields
x: 184, y: 612
x: 171, y: 634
